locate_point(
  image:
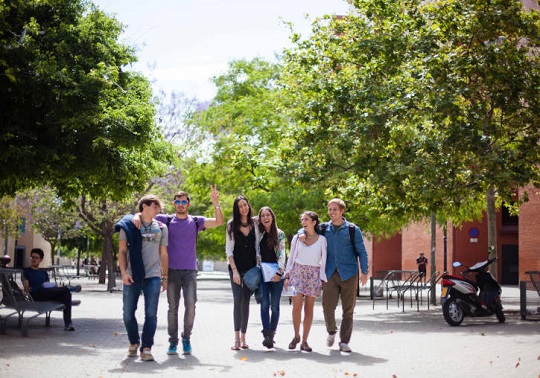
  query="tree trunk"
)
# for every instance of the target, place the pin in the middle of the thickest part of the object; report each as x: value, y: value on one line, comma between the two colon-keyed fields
x: 107, y: 265
x: 433, y: 266
x: 492, y: 229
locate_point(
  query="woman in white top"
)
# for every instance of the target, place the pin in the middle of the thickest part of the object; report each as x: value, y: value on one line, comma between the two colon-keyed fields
x: 305, y: 272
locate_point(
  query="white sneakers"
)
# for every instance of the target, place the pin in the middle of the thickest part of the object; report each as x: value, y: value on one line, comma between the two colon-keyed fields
x: 343, y: 347
x: 330, y: 340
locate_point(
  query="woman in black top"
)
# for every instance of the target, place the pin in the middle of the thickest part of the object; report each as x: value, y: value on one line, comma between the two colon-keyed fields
x: 272, y: 250
x: 242, y: 255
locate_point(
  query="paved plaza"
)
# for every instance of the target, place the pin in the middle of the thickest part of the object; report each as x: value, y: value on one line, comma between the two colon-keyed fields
x: 385, y: 343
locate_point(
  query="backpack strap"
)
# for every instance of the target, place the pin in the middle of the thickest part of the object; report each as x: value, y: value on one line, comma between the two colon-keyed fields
x: 322, y: 228
x: 352, y: 230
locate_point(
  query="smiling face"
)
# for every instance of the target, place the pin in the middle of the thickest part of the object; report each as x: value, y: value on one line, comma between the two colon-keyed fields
x: 335, y: 212
x: 243, y: 209
x: 181, y: 205
x: 266, y: 219
x: 308, y: 224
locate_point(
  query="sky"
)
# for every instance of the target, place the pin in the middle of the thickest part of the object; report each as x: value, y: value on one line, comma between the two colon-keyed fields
x: 181, y: 44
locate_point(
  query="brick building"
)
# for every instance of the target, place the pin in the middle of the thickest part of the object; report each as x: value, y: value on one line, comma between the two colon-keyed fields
x: 518, y: 244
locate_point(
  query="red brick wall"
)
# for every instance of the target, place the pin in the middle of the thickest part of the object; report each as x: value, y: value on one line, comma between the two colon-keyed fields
x: 417, y: 237
x: 529, y: 233
x: 386, y: 255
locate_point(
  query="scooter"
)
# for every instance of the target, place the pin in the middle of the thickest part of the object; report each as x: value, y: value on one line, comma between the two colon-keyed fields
x: 461, y: 297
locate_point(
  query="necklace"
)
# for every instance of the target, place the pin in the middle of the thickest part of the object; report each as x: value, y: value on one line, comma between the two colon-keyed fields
x: 244, y: 224
x: 312, y: 236
x: 146, y: 226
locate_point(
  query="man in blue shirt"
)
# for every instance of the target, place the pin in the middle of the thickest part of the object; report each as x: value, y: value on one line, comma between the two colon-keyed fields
x: 342, y: 273
x: 36, y: 282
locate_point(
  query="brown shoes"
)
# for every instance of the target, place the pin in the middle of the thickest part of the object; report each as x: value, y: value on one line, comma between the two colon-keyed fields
x: 305, y: 347
x: 293, y: 343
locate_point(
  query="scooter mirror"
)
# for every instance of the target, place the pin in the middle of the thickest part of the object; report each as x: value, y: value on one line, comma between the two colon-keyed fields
x: 456, y: 264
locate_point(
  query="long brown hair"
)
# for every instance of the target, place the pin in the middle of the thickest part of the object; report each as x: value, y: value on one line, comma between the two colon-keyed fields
x: 272, y: 240
x: 234, y: 226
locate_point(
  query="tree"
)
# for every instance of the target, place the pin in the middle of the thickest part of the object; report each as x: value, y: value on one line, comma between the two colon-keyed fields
x: 72, y: 117
x: 247, y: 128
x: 49, y: 215
x: 412, y: 107
x: 10, y: 219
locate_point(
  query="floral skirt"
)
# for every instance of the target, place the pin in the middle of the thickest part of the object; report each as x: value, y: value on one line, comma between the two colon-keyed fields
x: 306, y: 279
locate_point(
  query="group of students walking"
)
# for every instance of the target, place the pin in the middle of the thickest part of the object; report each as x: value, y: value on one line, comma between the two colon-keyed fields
x: 321, y: 256
x: 159, y: 251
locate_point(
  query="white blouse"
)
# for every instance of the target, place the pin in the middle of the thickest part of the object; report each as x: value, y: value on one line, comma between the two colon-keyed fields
x: 311, y: 255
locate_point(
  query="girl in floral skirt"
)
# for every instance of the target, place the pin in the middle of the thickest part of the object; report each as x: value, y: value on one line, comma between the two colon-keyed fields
x: 306, y: 272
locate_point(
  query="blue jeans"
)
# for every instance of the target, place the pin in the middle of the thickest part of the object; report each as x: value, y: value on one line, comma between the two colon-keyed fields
x: 271, y: 295
x: 150, y: 288
x: 186, y: 281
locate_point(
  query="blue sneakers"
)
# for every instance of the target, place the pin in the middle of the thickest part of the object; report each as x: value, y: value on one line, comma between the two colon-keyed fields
x: 186, y: 346
x: 172, y: 349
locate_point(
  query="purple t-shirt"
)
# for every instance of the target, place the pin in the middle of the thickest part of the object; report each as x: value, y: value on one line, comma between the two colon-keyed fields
x: 182, y: 241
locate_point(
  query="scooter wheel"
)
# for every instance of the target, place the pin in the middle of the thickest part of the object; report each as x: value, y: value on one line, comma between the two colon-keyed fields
x: 452, y: 313
x: 500, y: 315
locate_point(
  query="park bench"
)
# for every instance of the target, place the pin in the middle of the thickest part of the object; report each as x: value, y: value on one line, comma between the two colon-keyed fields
x: 14, y: 301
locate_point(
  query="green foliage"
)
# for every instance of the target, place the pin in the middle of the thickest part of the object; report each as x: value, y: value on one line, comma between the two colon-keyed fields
x: 72, y: 117
x: 11, y: 217
x: 408, y: 107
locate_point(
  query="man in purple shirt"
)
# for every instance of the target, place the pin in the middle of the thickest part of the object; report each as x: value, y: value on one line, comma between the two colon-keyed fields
x: 183, y: 229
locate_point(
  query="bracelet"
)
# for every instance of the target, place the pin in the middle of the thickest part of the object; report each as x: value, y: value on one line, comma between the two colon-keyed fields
x: 164, y: 279
x: 217, y: 207
x: 279, y: 274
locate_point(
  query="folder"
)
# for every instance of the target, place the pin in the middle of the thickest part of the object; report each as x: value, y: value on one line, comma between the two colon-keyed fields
x: 268, y: 270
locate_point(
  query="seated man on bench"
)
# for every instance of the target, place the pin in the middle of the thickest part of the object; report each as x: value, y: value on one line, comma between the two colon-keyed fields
x: 36, y: 282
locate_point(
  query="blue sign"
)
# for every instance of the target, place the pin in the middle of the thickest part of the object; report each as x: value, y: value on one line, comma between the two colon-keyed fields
x: 473, y: 232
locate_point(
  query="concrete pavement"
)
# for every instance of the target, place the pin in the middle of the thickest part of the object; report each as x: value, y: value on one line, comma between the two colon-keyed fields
x: 385, y: 342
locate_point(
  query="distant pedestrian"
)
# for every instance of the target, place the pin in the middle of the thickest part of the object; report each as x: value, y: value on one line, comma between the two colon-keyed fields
x: 306, y: 272
x: 242, y: 255
x: 143, y: 263
x: 272, y: 251
x: 422, y: 262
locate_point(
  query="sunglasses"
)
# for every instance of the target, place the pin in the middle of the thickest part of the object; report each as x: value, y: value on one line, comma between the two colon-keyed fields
x: 183, y: 202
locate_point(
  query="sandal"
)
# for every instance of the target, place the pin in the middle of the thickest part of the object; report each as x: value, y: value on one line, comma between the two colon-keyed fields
x: 305, y: 347
x: 243, y: 345
x: 293, y: 343
x: 236, y: 345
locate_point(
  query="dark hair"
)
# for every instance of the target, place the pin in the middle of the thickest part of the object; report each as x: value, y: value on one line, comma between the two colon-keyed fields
x: 182, y: 194
x: 148, y: 200
x: 313, y: 215
x: 37, y: 251
x: 234, y: 226
x: 273, y: 239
